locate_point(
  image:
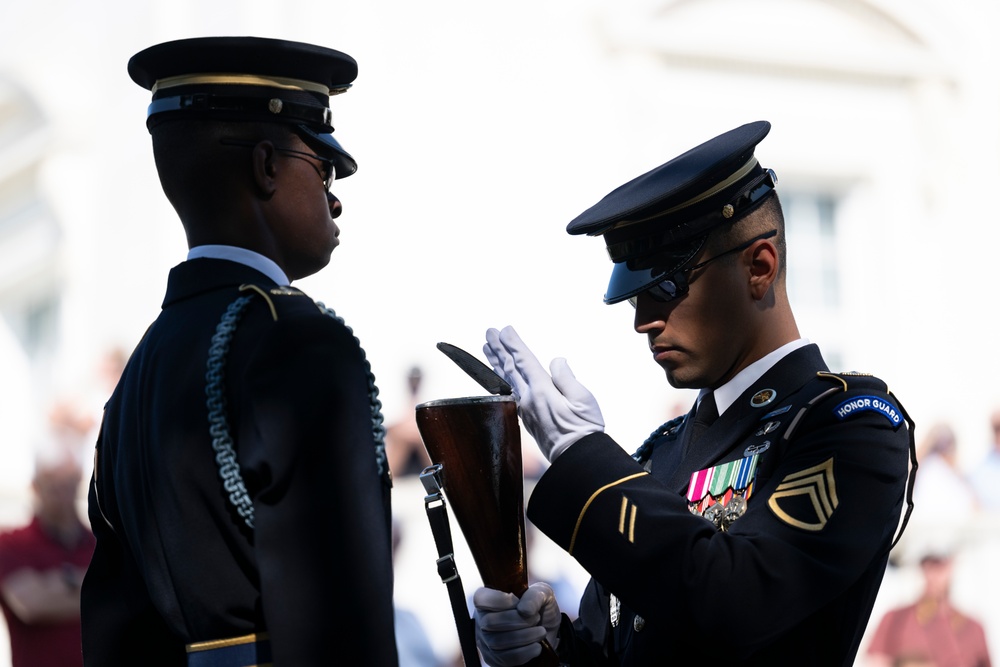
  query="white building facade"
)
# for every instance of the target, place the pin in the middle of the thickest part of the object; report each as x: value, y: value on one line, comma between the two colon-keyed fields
x: 480, y: 132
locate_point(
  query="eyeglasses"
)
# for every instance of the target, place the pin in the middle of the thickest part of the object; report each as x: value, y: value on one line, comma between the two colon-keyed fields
x: 327, y: 175
x: 677, y: 285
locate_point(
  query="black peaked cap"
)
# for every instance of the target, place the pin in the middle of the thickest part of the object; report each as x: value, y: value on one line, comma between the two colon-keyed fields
x: 655, y: 224
x: 251, y: 55
x: 661, y: 194
x: 249, y: 79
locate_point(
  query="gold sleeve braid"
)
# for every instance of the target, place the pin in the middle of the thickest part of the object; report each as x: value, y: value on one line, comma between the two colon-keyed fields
x: 590, y: 501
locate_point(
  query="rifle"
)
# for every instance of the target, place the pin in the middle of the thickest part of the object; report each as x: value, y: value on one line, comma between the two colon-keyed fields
x: 475, y: 446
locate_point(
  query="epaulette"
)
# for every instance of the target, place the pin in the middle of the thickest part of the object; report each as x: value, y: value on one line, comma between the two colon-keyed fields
x: 867, y: 394
x: 290, y: 299
x: 267, y: 293
x: 864, y: 393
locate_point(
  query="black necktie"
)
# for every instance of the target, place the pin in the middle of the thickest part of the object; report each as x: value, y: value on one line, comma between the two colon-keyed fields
x: 704, y: 416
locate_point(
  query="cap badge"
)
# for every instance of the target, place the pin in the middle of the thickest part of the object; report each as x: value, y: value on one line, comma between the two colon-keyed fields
x: 727, y: 211
x: 763, y: 397
x: 274, y: 105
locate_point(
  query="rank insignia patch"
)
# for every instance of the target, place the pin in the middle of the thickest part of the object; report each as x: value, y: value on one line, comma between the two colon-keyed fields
x: 626, y: 519
x: 806, y: 499
x: 860, y: 404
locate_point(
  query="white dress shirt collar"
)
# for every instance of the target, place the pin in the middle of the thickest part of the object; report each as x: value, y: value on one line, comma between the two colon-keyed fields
x: 729, y: 392
x: 241, y: 256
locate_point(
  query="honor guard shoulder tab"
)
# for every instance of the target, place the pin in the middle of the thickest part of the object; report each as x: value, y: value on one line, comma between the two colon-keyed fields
x: 862, y: 393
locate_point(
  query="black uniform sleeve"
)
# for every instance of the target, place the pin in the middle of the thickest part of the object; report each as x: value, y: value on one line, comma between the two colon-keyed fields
x: 820, y: 519
x: 322, y: 533
x: 121, y: 622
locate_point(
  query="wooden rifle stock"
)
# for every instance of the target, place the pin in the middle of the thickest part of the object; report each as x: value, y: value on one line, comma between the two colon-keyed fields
x: 477, y: 441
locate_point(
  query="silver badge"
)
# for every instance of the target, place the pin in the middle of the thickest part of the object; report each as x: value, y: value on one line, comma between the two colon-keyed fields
x: 715, y: 513
x: 734, y: 510
x: 767, y: 428
x: 614, y: 610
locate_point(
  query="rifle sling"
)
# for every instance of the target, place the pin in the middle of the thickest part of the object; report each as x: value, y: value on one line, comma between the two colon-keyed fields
x: 437, y: 515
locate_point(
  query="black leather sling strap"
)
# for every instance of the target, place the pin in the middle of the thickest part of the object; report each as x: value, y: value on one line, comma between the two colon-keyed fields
x: 437, y: 515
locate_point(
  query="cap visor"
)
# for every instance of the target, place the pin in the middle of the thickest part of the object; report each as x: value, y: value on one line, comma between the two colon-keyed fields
x: 342, y: 160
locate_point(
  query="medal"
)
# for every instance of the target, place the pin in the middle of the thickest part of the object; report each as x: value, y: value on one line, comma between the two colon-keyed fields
x: 720, y: 494
x: 734, y: 510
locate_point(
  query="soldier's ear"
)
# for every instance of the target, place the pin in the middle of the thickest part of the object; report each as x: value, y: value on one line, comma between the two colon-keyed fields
x: 764, y: 266
x: 265, y: 168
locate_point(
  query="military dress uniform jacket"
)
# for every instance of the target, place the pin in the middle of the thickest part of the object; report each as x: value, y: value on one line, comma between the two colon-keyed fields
x: 176, y: 562
x: 790, y: 582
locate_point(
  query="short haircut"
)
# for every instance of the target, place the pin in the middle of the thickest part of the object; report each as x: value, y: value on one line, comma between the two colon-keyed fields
x: 192, y: 162
x: 767, y: 216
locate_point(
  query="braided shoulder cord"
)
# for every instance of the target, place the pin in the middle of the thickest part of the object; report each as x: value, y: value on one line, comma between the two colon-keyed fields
x: 378, y: 421
x: 222, y: 440
x: 646, y: 448
x: 218, y: 425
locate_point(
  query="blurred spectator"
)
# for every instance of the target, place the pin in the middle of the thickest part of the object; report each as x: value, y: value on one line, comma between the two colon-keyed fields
x: 414, y: 646
x: 42, y: 566
x: 931, y: 632
x: 985, y: 477
x: 70, y: 424
x: 403, y: 445
x: 567, y: 592
x: 941, y: 491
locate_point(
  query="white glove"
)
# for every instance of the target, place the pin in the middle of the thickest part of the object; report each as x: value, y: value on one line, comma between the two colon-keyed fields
x: 557, y: 410
x: 509, y: 630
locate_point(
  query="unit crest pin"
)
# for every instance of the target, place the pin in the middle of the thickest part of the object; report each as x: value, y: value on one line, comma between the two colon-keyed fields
x: 763, y: 397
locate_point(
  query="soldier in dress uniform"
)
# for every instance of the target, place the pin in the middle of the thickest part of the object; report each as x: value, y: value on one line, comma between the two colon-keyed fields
x: 756, y: 529
x: 241, y: 496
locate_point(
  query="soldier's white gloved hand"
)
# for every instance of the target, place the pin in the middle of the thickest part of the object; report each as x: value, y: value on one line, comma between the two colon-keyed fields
x: 509, y: 630
x: 556, y: 409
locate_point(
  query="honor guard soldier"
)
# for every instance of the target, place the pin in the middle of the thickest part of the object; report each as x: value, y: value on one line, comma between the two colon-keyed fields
x: 241, y: 497
x: 756, y: 529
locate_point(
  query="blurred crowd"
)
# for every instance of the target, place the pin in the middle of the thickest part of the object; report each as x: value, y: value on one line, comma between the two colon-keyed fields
x: 936, y: 610
x: 943, y: 613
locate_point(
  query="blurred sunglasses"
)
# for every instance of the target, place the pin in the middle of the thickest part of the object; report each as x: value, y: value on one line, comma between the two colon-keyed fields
x: 677, y: 285
x: 327, y: 174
